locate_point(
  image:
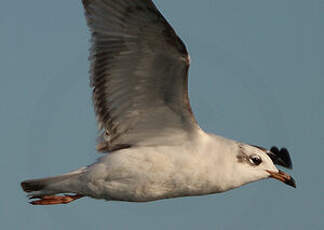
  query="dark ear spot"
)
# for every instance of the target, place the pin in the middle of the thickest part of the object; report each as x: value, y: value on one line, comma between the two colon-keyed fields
x: 280, y: 157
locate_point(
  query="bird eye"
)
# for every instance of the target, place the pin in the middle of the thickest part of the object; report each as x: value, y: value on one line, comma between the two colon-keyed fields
x: 255, y: 159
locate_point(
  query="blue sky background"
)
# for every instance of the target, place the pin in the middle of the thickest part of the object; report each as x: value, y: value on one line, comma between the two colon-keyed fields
x: 257, y: 76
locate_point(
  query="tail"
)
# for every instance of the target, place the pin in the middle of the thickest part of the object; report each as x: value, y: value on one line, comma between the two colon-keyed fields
x: 44, y: 188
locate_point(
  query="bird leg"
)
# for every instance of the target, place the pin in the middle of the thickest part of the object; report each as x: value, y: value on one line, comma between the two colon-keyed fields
x: 51, y: 200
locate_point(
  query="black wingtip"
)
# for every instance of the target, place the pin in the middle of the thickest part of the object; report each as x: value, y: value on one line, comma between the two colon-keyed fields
x: 280, y: 157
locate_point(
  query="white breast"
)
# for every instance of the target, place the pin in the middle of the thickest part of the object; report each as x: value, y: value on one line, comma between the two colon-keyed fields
x: 152, y: 173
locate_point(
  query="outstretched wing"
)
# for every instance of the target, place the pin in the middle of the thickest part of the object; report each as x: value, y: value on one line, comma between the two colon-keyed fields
x: 139, y: 75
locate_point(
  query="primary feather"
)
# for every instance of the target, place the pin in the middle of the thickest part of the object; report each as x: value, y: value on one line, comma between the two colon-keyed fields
x: 139, y: 74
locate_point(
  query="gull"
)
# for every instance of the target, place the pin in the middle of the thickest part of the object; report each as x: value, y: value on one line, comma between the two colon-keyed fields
x: 153, y: 146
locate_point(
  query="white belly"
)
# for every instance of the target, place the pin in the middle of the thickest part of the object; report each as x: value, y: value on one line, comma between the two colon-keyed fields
x: 147, y: 174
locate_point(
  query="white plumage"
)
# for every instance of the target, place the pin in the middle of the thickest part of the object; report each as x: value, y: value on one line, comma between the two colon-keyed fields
x: 154, y: 147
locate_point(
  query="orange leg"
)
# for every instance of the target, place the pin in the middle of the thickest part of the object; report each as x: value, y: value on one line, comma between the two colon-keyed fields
x: 50, y: 200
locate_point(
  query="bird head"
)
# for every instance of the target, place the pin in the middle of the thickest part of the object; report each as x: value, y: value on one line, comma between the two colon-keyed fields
x: 257, y: 163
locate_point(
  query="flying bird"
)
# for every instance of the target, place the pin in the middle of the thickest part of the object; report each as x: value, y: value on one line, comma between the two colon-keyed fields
x: 154, y: 148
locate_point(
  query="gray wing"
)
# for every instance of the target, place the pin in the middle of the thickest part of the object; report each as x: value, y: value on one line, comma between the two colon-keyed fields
x: 139, y: 75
